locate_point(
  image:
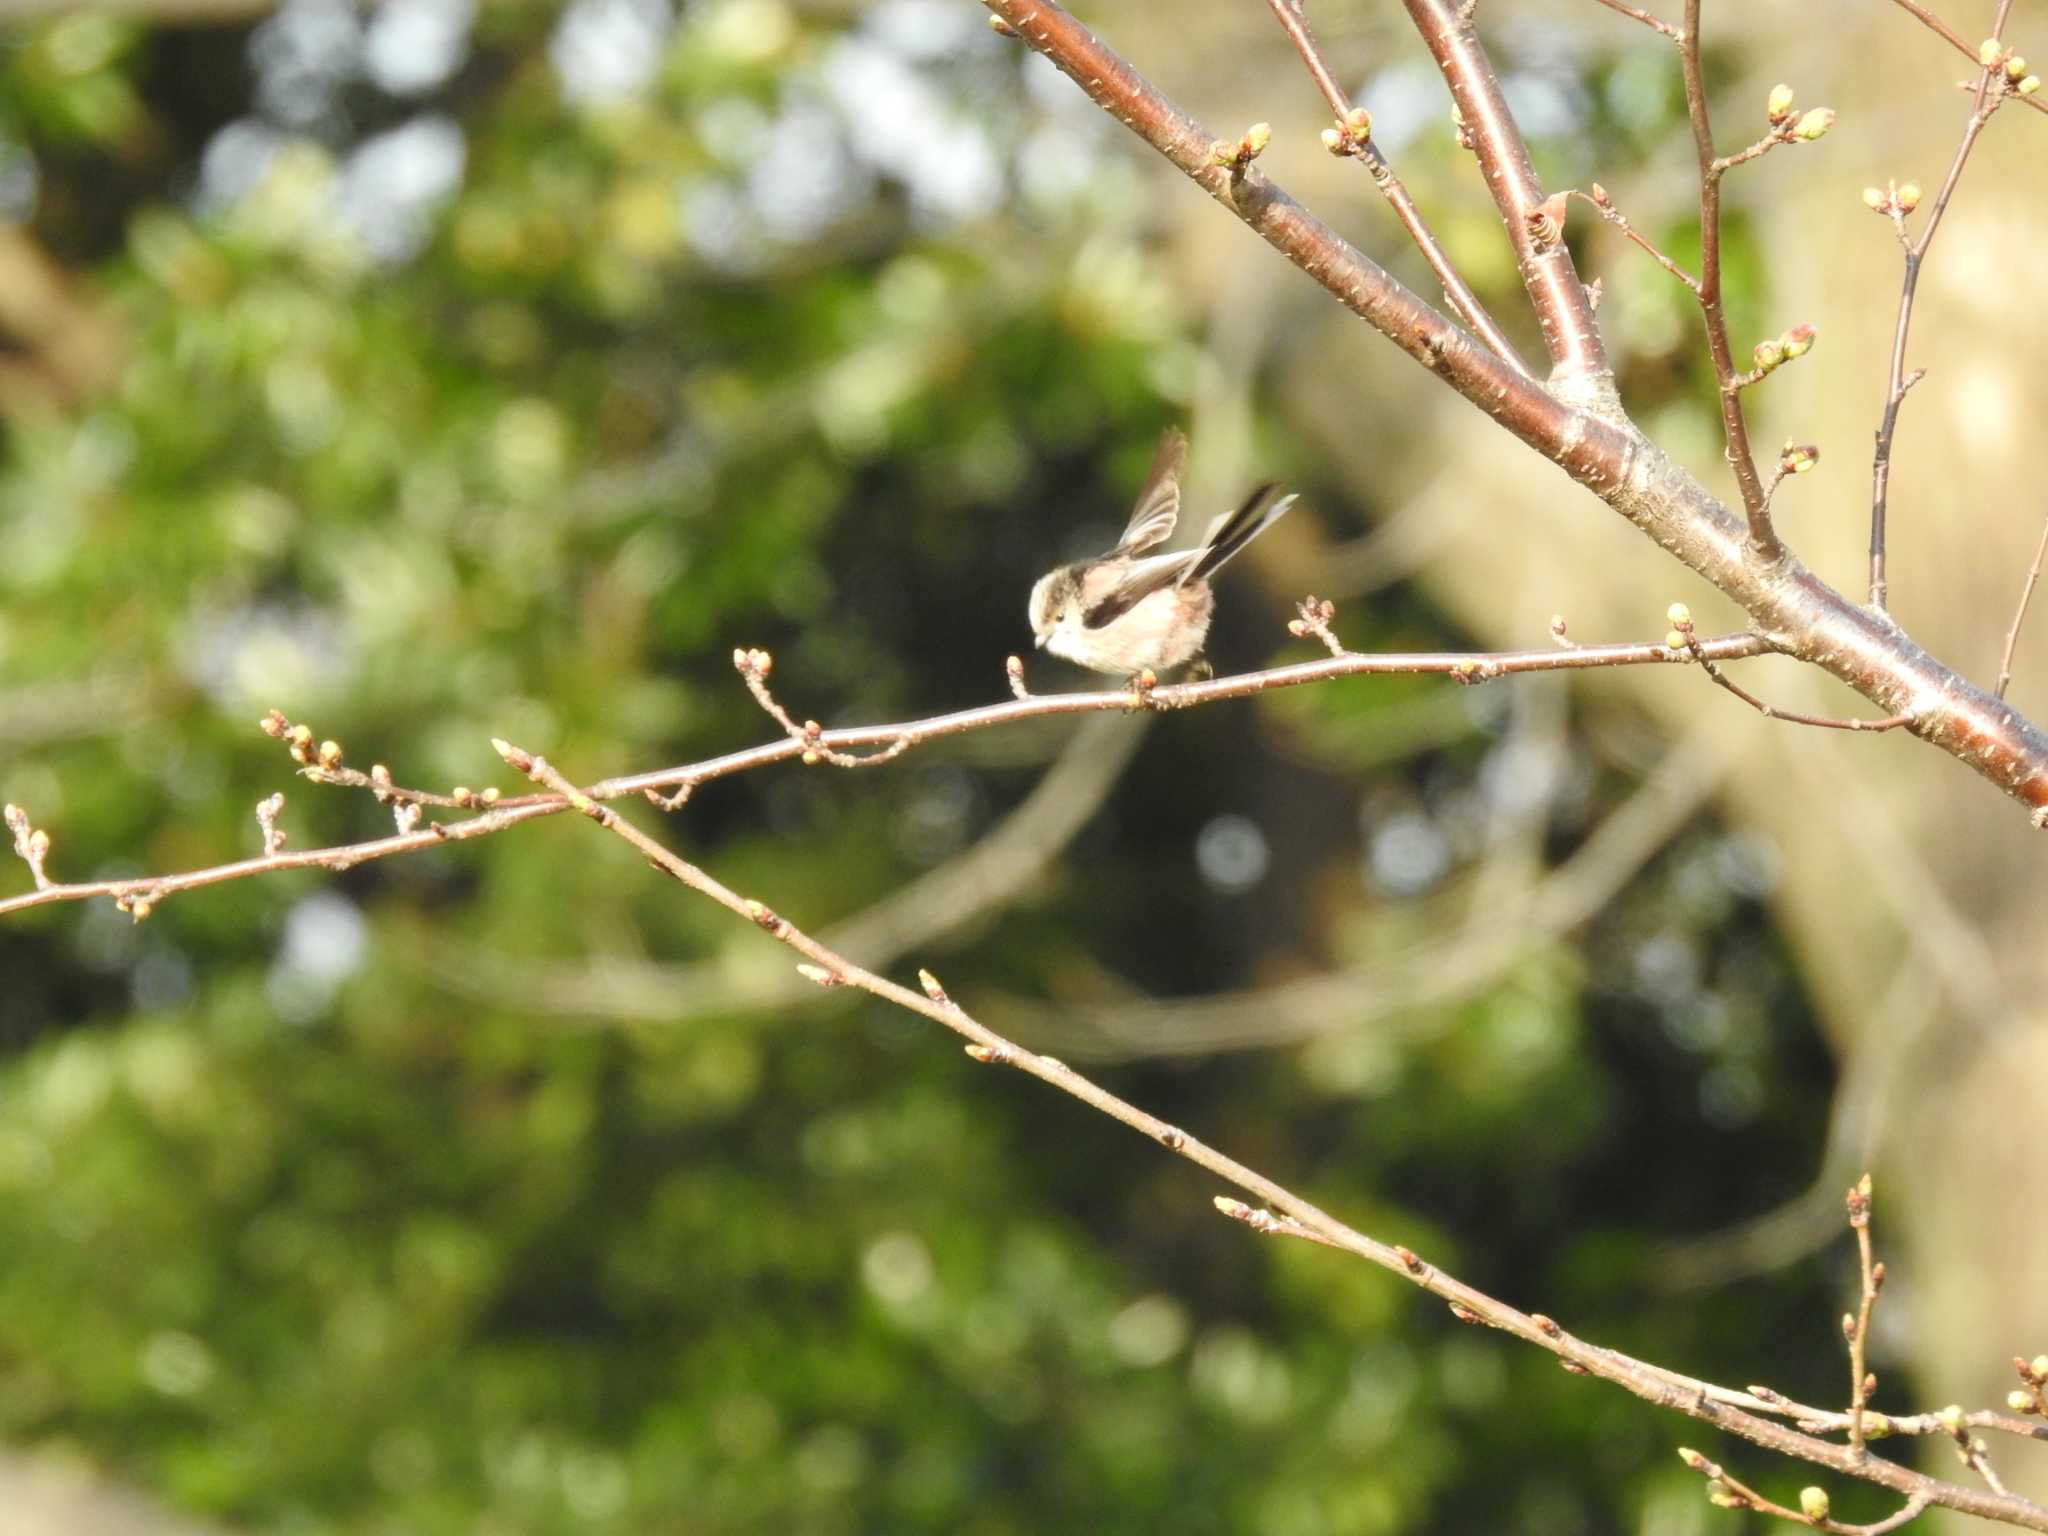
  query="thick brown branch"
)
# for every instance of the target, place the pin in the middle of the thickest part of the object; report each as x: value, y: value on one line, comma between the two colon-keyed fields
x: 1802, y: 615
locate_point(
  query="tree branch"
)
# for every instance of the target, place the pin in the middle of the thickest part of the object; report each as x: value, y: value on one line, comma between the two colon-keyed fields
x: 1353, y: 136
x: 1563, y: 309
x: 1763, y: 538
x: 1291, y: 1215
x: 1988, y: 100
x: 1801, y: 615
x: 820, y: 747
x: 2012, y: 635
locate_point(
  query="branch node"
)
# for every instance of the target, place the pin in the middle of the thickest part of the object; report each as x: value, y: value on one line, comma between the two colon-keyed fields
x: 674, y: 802
x: 1316, y: 616
x: 32, y: 843
x: 753, y: 667
x: 267, y: 810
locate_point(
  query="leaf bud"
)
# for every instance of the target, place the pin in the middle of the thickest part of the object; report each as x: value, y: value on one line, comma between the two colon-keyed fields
x: 1813, y: 124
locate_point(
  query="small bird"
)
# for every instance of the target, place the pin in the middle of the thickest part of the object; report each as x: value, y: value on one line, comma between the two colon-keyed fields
x: 1127, y: 612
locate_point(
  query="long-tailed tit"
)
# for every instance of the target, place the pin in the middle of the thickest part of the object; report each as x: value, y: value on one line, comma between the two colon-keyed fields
x: 1126, y: 611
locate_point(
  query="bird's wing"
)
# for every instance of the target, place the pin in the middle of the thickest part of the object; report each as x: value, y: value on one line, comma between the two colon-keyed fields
x: 1140, y: 580
x: 1158, y: 505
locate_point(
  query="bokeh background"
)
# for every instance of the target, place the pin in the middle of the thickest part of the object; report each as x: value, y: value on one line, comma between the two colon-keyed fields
x: 433, y: 371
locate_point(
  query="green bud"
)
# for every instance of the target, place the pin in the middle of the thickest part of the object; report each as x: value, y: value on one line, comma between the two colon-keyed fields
x: 1988, y: 51
x: 1779, y: 106
x: 1813, y: 1503
x: 1813, y: 124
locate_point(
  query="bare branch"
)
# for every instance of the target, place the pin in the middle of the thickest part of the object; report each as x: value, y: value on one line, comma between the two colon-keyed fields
x: 1646, y: 19
x: 1563, y: 309
x: 1994, y: 89
x: 2012, y: 635
x: 753, y: 668
x: 1803, y: 615
x: 1599, y: 199
x: 1856, y: 1325
x: 1763, y: 539
x: 1681, y: 626
x: 1353, y: 136
x: 1290, y: 1214
x: 1955, y: 40
x: 498, y: 814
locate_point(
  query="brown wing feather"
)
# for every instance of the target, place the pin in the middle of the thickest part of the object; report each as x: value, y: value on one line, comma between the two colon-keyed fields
x: 1158, y: 506
x: 1142, y: 579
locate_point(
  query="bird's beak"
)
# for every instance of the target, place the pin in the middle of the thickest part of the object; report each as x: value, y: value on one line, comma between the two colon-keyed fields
x: 1038, y: 641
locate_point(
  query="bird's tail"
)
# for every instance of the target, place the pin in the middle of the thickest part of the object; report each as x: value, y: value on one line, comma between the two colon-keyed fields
x: 1233, y: 530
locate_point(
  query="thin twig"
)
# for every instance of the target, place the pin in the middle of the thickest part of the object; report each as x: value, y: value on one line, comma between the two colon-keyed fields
x: 1724, y: 1489
x: 1771, y: 711
x: 1290, y: 1214
x: 2012, y: 635
x: 1599, y: 199
x: 1646, y: 19
x: 1987, y: 101
x: 1955, y: 40
x: 1354, y: 138
x: 1763, y: 539
x: 1856, y: 1325
x: 753, y: 667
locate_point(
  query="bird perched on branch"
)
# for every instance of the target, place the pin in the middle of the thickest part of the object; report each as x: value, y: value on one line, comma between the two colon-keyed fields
x: 1128, y: 612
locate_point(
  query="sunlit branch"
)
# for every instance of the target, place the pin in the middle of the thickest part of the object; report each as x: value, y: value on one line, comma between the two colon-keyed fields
x: 1290, y: 1215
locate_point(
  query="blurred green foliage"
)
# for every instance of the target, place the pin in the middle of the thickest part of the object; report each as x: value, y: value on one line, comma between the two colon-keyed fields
x: 319, y: 1213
